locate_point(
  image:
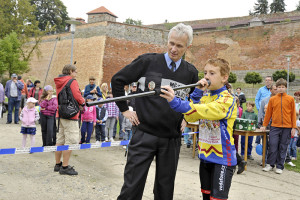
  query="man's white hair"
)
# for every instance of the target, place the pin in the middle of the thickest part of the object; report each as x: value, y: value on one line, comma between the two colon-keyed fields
x: 182, y: 29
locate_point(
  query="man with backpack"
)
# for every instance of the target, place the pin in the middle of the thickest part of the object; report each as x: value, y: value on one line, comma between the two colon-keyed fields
x: 70, y: 102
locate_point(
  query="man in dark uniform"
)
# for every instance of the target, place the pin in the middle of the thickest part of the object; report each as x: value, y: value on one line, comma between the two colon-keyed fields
x: 158, y: 128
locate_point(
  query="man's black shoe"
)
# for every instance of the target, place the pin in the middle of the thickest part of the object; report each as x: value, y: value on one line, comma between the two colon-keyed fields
x: 57, y: 167
x: 68, y: 171
x: 8, y: 122
x: 241, y: 167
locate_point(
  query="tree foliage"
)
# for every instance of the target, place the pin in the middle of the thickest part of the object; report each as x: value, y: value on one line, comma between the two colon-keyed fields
x: 298, y: 6
x: 253, y: 78
x: 17, y: 16
x: 232, y: 78
x: 133, y: 22
x: 200, y: 75
x: 261, y: 7
x: 283, y: 74
x: 50, y: 13
x: 277, y: 6
x: 10, y: 55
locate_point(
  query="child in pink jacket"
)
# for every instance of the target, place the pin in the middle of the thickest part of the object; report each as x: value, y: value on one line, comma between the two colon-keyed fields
x: 88, y: 117
x: 29, y: 116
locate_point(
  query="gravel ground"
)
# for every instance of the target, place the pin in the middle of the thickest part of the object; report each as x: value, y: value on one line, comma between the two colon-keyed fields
x: 31, y: 176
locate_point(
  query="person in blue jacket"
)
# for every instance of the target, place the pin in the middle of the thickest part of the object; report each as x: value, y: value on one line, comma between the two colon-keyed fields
x: 92, y: 89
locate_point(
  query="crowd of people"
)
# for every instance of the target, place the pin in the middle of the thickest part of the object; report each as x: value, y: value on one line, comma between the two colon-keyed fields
x: 154, y: 124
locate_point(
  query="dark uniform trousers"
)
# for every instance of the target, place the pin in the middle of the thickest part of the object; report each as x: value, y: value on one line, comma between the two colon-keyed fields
x: 142, y: 149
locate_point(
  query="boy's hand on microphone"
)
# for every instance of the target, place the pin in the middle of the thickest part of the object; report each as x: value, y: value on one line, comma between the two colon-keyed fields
x: 203, y: 84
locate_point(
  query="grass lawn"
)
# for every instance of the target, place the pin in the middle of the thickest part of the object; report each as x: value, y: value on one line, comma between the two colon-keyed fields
x: 246, y: 85
x: 296, y: 162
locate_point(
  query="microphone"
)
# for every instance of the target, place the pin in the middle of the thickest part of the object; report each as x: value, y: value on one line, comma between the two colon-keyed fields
x: 208, y: 83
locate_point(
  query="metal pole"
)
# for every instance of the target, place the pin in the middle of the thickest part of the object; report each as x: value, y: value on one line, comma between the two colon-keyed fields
x: 72, y: 49
x: 143, y: 94
x: 288, y: 77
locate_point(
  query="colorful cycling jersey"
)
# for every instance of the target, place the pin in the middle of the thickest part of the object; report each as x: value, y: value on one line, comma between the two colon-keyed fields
x: 216, y: 114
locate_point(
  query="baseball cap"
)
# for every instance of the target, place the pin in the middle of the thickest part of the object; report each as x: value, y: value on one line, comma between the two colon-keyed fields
x: 14, y: 76
x: 134, y: 84
x: 32, y: 100
x: 48, y: 87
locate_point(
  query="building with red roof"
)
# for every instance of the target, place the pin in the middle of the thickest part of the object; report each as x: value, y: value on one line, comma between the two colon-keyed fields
x: 101, y: 14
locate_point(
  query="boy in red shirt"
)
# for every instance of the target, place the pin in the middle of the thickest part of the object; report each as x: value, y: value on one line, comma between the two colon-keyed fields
x: 281, y: 108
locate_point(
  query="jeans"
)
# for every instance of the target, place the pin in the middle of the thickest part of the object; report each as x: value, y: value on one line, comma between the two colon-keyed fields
x: 250, y: 140
x: 48, y: 129
x: 187, y: 138
x: 109, y: 127
x: 87, y: 127
x: 13, y: 102
x: 258, y: 139
x: 127, y: 134
x: 279, y: 139
x: 100, y: 131
x: 293, y: 148
x: 121, y: 133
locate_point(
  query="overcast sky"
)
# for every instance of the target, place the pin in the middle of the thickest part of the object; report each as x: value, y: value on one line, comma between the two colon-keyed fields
x: 157, y: 11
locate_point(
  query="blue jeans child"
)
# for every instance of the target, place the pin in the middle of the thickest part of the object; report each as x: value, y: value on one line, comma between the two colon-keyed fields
x: 100, y: 132
x: 250, y: 140
x: 187, y: 138
x: 127, y: 134
x: 87, y: 127
x: 293, y: 148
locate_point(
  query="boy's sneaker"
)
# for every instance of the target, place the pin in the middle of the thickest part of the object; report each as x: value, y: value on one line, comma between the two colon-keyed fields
x: 241, y: 167
x: 267, y: 168
x: 97, y: 142
x: 250, y: 157
x: 106, y: 139
x: 278, y: 171
x: 291, y: 164
x: 111, y: 139
x: 68, y: 171
x: 57, y: 167
x: 294, y: 158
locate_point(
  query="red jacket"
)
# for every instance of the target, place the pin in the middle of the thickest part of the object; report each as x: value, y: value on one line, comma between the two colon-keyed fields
x: 60, y: 83
x: 32, y: 91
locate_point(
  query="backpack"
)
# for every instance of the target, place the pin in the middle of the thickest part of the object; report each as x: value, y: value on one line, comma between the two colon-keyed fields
x: 67, y: 106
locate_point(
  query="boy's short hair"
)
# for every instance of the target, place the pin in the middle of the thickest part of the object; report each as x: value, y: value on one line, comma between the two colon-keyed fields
x: 251, y: 103
x: 281, y: 81
x: 67, y: 68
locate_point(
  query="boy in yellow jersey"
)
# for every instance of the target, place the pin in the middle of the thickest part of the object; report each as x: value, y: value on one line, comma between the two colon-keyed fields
x: 216, y: 112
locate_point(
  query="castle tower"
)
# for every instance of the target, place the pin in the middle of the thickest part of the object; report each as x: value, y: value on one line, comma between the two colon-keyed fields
x: 101, y: 14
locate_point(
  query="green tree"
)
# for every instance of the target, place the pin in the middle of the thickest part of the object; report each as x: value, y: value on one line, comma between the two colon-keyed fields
x: 18, y: 16
x: 261, y: 7
x: 253, y: 78
x: 50, y: 13
x: 10, y: 55
x: 133, y: 22
x: 283, y: 74
x: 298, y: 6
x: 200, y: 75
x: 232, y: 78
x: 277, y: 6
